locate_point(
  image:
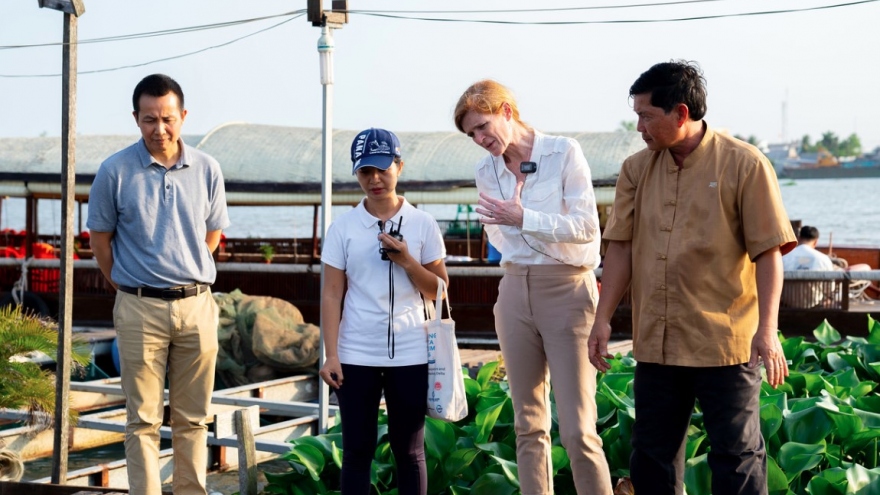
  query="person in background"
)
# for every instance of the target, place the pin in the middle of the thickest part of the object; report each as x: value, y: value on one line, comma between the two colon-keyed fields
x: 156, y: 212
x: 697, y: 229
x: 382, y: 257
x: 805, y: 256
x: 539, y: 211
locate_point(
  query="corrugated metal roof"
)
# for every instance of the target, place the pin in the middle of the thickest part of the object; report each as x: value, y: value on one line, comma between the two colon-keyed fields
x: 263, y: 159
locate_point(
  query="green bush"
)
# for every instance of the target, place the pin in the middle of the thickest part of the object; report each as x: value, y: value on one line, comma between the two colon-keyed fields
x: 821, y: 429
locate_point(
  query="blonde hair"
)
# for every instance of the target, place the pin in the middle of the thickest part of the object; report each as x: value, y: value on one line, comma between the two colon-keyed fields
x: 487, y: 97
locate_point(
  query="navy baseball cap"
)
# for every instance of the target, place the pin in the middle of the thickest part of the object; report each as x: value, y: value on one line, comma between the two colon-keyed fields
x: 374, y: 148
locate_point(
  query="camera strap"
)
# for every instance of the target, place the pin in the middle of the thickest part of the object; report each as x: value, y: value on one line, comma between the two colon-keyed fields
x: 391, y: 310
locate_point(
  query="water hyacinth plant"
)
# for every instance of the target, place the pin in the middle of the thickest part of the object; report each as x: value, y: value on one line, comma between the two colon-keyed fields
x: 821, y: 429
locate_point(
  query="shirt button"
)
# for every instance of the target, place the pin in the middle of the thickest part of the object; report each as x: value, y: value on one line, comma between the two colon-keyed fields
x: 662, y: 287
x: 662, y: 318
x: 167, y: 187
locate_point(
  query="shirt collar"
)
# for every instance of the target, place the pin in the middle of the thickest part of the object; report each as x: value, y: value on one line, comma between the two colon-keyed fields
x: 371, y: 222
x: 146, y: 159
x: 697, y: 155
x: 543, y: 146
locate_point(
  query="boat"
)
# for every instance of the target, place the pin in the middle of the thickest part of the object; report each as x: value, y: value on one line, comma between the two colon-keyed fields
x: 825, y: 166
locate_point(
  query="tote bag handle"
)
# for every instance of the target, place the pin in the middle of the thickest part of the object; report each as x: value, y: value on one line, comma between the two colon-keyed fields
x: 435, y: 311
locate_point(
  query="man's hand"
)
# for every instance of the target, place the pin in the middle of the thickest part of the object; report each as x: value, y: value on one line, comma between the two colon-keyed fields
x: 598, y: 345
x: 766, y: 348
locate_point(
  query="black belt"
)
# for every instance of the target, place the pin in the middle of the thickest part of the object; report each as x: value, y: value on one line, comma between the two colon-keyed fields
x: 167, y: 294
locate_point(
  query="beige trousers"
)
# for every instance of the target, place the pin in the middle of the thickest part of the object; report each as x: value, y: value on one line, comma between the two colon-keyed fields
x: 543, y: 318
x: 179, y: 336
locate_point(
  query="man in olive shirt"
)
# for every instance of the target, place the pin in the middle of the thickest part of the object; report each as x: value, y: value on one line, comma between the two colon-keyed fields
x: 698, y: 228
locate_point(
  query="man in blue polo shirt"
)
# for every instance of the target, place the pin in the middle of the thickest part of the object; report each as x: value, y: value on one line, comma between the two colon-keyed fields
x: 156, y: 211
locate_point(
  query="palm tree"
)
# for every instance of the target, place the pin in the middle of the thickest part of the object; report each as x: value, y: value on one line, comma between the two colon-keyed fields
x: 24, y: 385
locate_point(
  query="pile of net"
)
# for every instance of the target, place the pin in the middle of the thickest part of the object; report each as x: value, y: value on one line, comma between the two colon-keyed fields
x: 262, y: 338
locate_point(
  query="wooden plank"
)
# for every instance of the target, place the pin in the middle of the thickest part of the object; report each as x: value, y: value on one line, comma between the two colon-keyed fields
x: 29, y: 488
x: 247, y: 465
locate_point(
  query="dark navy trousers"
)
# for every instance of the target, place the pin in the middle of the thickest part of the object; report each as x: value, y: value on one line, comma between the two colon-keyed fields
x: 729, y: 399
x: 406, y: 399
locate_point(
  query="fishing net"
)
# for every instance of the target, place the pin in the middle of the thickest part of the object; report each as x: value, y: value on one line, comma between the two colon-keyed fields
x: 262, y: 338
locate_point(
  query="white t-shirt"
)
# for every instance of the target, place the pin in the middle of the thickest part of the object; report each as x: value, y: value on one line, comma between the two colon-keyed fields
x: 352, y: 246
x: 560, y: 217
x: 805, y: 257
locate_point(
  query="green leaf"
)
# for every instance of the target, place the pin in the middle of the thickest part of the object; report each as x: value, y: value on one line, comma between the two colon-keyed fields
x: 863, y: 481
x: 498, y: 449
x: 459, y: 490
x: 698, y: 476
x: 486, y: 372
x: 869, y: 419
x: 310, y: 457
x: 459, y: 460
x: 771, y: 420
x: 486, y: 422
x: 337, y: 455
x: 795, y: 458
x: 618, y: 398
x: 559, y: 458
x: 809, y: 426
x: 284, y: 479
x: 826, y: 334
x: 792, y: 347
x: 777, y: 483
x: 694, y: 441
x: 320, y: 442
x: 873, y: 330
x: 845, y: 424
x: 509, y: 469
x: 439, y: 438
x: 492, y: 484
x: 617, y: 381
x: 829, y: 482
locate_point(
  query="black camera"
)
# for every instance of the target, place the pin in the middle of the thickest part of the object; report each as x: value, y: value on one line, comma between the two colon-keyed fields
x: 528, y: 167
x: 393, y: 233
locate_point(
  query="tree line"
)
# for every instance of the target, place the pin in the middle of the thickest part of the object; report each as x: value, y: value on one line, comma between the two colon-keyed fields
x: 830, y: 142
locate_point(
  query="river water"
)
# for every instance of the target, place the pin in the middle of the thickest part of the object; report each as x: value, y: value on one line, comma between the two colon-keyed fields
x: 847, y: 209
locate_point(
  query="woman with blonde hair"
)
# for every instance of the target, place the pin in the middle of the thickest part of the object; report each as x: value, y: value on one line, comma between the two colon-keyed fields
x: 539, y: 210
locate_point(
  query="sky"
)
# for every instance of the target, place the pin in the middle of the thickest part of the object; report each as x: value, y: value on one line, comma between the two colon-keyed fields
x: 774, y: 77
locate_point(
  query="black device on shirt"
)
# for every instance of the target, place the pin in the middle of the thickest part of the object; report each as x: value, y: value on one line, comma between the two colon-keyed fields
x: 393, y: 233
x: 528, y: 167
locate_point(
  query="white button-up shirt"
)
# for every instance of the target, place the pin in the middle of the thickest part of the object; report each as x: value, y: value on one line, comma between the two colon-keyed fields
x: 560, y: 219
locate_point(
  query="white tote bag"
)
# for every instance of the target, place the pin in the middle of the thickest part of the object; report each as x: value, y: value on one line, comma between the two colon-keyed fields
x: 446, y: 396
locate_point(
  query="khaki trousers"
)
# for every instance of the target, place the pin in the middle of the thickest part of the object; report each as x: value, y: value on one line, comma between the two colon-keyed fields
x: 543, y: 318
x: 180, y: 336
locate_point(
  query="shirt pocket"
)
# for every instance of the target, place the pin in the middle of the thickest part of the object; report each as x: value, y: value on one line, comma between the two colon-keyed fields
x: 544, y: 197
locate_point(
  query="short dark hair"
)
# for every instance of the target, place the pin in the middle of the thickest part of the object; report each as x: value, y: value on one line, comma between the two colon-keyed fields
x: 808, y: 233
x: 671, y: 83
x: 156, y: 85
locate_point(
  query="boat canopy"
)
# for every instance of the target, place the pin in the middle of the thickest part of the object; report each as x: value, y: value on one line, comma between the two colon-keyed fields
x: 275, y: 165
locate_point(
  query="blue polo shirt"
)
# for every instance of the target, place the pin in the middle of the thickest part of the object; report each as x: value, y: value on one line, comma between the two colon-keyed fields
x: 160, y: 216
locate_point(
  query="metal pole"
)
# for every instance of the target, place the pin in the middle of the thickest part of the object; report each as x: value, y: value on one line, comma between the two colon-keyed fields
x: 65, y: 300
x: 326, y: 205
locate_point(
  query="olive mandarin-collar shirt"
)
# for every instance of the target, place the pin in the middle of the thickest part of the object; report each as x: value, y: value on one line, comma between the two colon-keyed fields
x: 695, y: 232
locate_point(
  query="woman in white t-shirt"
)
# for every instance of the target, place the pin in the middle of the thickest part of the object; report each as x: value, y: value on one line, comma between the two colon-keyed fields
x: 382, y: 257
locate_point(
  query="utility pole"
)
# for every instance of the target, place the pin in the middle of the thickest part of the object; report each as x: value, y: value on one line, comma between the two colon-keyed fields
x: 72, y: 10
x: 327, y: 21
